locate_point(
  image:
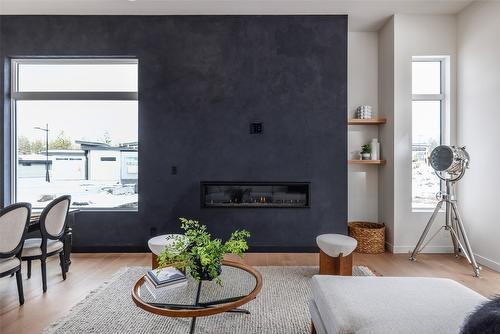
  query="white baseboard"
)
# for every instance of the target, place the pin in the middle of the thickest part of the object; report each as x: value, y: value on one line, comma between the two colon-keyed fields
x: 487, y: 262
x: 443, y: 249
x: 389, y: 247
x: 428, y: 249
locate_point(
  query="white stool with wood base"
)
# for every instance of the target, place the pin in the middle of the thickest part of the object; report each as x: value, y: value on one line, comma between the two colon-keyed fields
x: 158, y: 244
x: 335, y: 256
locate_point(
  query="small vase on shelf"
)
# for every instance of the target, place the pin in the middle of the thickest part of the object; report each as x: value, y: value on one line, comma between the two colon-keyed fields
x: 375, y: 146
x: 365, y: 156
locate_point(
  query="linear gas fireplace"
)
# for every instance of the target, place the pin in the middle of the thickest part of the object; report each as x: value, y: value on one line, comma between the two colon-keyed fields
x: 255, y: 195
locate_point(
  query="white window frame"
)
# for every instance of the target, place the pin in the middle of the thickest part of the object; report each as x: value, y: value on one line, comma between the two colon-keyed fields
x: 16, y: 95
x: 444, y: 99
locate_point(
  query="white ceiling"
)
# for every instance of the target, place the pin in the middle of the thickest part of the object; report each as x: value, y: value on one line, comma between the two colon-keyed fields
x: 364, y: 15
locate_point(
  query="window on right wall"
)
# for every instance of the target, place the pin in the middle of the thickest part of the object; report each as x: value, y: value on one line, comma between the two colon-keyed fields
x: 429, y: 119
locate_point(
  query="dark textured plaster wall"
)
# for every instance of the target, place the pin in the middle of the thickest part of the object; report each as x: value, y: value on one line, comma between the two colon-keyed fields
x: 202, y: 80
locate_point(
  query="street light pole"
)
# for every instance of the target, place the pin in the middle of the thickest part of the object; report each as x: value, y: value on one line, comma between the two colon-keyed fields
x: 46, y: 129
x: 47, y: 175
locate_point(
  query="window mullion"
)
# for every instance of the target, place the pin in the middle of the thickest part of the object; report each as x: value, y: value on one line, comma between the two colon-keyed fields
x: 75, y: 96
x: 428, y: 97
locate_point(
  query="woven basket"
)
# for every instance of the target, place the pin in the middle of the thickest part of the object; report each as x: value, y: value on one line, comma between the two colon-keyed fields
x: 370, y: 237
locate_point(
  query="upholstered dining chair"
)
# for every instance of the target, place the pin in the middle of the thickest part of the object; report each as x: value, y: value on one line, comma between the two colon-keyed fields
x: 52, y: 227
x: 14, y: 221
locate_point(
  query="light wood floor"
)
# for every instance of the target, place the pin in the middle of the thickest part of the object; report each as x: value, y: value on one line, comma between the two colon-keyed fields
x: 88, y: 271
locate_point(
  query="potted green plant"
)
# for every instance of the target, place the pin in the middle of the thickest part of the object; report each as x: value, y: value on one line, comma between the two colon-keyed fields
x: 366, y: 151
x: 197, y: 254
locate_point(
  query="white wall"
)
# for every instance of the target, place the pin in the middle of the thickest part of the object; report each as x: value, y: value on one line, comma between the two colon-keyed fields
x: 471, y: 41
x: 416, y: 35
x: 104, y: 170
x: 386, y: 132
x: 478, y: 126
x: 403, y: 37
x: 68, y: 167
x: 362, y: 90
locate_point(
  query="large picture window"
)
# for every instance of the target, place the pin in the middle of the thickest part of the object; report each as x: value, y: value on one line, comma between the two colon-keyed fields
x: 428, y: 121
x: 75, y: 131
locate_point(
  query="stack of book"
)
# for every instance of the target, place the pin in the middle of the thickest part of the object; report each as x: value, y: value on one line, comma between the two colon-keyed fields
x: 164, y: 279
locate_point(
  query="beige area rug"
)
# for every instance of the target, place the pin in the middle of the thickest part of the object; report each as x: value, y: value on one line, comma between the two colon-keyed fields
x: 281, y: 307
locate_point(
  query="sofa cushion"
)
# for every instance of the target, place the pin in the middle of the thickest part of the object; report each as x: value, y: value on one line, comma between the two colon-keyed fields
x: 319, y: 326
x: 392, y: 304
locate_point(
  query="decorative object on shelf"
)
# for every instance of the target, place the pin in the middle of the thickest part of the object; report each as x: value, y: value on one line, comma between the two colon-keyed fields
x: 366, y: 152
x: 370, y: 237
x: 364, y: 112
x: 375, y: 146
x: 202, y: 258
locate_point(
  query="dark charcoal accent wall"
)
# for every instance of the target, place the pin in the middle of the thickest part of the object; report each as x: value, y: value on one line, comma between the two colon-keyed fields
x: 202, y: 81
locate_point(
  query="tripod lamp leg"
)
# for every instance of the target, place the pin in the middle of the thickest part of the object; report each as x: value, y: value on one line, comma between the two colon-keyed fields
x: 451, y: 224
x: 468, y: 248
x: 456, y: 238
x: 426, y: 230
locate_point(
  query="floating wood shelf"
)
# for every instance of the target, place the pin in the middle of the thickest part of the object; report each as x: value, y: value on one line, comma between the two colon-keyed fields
x: 367, y: 162
x: 370, y: 121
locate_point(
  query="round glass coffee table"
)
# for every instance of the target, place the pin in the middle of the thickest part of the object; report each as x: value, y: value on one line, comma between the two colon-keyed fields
x: 240, y: 284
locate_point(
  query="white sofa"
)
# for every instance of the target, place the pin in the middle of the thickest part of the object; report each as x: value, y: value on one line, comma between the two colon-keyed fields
x: 386, y: 305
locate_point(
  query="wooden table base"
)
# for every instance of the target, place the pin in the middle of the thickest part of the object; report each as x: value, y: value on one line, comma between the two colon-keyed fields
x: 313, y: 329
x: 341, y: 265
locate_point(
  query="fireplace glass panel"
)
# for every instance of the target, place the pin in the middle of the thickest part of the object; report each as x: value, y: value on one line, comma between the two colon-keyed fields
x: 254, y: 195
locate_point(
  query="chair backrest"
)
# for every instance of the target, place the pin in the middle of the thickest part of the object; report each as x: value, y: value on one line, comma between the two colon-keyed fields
x: 14, y: 221
x: 53, y: 217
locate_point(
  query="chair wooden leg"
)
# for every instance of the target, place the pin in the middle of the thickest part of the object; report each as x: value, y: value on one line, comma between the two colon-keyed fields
x: 44, y: 274
x: 20, y: 292
x: 62, y: 259
x: 29, y: 268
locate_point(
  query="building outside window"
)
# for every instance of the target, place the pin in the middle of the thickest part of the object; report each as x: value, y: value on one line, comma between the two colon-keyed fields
x: 428, y: 127
x: 75, y: 131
